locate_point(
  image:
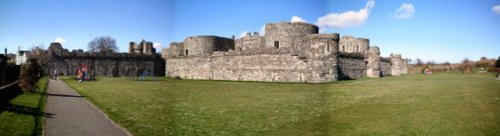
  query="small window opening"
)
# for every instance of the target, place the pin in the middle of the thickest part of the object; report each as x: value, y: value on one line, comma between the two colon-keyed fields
x: 343, y: 48
x: 276, y: 44
x: 186, y: 52
x: 328, y: 47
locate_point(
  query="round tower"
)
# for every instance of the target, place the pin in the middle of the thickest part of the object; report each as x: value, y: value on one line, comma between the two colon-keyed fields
x: 147, y: 48
x: 396, y: 64
x: 131, y: 46
x: 199, y: 45
x: 287, y: 34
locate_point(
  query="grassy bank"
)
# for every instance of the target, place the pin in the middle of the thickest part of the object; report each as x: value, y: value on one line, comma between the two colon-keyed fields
x: 24, y: 115
x: 438, y: 104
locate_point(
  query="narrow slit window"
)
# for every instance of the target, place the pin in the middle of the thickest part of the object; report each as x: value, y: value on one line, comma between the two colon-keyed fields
x: 187, y: 52
x: 276, y: 44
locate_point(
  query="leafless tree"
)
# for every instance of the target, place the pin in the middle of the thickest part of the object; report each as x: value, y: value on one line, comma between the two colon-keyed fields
x: 104, y: 44
x: 40, y: 54
x: 419, y: 62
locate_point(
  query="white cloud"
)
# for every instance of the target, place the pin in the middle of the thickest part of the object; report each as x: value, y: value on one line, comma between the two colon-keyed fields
x: 406, y: 11
x: 297, y: 19
x: 243, y: 34
x: 157, y: 46
x: 496, y: 9
x: 346, y: 19
x: 60, y: 40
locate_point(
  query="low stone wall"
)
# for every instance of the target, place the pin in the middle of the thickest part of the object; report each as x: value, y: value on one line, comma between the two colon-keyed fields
x: 257, y: 67
x: 9, y: 73
x: 351, y: 68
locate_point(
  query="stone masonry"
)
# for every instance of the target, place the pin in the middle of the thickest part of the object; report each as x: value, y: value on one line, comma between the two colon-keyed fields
x: 111, y: 65
x: 288, y: 52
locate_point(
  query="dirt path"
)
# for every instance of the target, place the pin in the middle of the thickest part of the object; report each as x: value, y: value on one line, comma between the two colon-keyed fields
x: 73, y: 115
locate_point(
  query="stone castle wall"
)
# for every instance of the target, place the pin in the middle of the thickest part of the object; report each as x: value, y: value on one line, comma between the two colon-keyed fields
x: 351, y: 68
x: 262, y: 64
x: 385, y: 68
x: 288, y: 52
x: 121, y: 65
x: 261, y: 67
x: 112, y: 65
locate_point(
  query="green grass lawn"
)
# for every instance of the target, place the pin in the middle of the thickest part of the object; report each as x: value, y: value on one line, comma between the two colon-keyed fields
x: 24, y: 116
x: 438, y: 104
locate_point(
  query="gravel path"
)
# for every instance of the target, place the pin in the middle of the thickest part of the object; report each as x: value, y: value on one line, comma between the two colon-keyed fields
x: 73, y: 115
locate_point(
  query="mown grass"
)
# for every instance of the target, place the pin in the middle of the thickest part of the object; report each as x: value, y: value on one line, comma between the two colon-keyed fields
x: 24, y: 116
x: 438, y: 104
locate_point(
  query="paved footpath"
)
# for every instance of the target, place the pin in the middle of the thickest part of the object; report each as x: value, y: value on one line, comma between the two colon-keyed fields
x: 73, y: 115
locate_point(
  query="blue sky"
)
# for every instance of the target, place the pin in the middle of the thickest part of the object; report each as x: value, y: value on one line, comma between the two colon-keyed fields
x: 444, y: 30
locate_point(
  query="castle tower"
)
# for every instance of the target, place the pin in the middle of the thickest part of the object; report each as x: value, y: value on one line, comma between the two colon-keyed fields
x: 131, y: 47
x: 396, y: 64
x: 287, y: 34
x: 147, y: 48
x: 373, y: 66
x: 139, y: 48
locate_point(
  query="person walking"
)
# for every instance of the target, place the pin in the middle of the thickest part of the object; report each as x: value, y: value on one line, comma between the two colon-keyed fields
x: 55, y: 74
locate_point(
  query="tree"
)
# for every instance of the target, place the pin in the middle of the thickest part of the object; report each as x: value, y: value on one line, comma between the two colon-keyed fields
x: 419, y: 62
x: 41, y: 55
x: 466, y: 66
x: 483, y: 62
x: 30, y: 74
x: 104, y: 44
x: 497, y: 63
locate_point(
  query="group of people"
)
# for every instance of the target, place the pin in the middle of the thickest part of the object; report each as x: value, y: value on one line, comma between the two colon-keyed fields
x: 84, y: 73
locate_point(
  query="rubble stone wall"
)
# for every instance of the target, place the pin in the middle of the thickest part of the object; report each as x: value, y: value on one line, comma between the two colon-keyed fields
x: 351, y: 68
x: 259, y: 67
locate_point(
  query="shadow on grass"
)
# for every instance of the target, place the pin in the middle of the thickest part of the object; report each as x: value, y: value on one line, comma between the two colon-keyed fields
x: 25, y: 110
x: 10, y: 93
x: 64, y: 95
